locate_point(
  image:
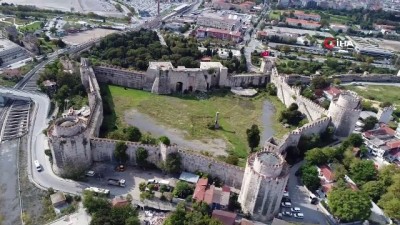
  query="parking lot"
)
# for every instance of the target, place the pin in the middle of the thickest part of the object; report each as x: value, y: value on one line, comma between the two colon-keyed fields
x: 300, y: 197
x: 132, y: 176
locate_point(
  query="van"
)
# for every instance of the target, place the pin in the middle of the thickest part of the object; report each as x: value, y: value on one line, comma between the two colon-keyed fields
x: 37, y: 165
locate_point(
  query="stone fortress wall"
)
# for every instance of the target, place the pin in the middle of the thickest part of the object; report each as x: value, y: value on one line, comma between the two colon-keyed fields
x: 346, y: 78
x: 163, y: 78
x: 261, y: 185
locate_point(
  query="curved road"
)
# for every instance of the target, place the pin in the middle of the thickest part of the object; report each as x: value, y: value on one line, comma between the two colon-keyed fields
x: 36, y: 145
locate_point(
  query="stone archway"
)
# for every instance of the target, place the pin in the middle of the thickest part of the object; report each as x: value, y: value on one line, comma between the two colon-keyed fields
x: 179, y: 87
x: 190, y: 89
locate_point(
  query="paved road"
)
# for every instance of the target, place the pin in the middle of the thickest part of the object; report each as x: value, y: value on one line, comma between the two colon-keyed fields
x: 9, y: 183
x: 301, y: 198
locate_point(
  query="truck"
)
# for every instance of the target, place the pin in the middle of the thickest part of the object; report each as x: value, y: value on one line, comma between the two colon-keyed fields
x: 116, y: 182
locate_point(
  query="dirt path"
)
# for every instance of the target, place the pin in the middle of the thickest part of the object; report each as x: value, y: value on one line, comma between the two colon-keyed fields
x: 147, y: 124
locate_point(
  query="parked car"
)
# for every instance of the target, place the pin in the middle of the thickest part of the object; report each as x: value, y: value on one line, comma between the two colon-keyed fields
x: 314, y: 201
x: 286, y: 204
x: 285, y: 194
x: 295, y: 209
x: 90, y: 173
x: 286, y: 213
x: 298, y: 215
x: 286, y: 199
x: 152, y: 181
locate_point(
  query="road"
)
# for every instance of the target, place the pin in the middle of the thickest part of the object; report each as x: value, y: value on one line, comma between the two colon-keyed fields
x: 301, y: 198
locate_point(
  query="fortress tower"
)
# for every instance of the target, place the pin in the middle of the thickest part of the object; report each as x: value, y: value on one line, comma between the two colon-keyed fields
x: 345, y: 112
x: 384, y: 115
x: 264, y: 181
x: 69, y: 146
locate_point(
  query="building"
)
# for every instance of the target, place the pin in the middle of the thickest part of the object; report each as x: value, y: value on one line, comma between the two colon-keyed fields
x: 332, y: 92
x: 264, y: 181
x: 226, y: 218
x: 373, y: 51
x: 303, y: 23
x: 235, y: 36
x: 338, y: 27
x: 58, y: 199
x: 283, y: 3
x: 325, y: 174
x: 220, y: 21
x: 215, y: 197
x: 307, y: 16
x: 11, y: 53
x: 345, y: 112
x: 381, y: 141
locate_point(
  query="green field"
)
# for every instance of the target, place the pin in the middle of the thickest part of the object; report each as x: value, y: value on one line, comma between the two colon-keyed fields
x: 31, y: 27
x: 191, y: 115
x: 275, y: 15
x: 379, y: 93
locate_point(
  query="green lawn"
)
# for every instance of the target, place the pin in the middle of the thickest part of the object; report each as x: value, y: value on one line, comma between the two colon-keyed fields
x: 7, y: 83
x: 191, y: 115
x: 275, y: 15
x: 379, y: 93
x: 31, y: 27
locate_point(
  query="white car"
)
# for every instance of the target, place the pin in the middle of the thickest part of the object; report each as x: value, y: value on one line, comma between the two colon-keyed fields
x: 286, y: 204
x: 152, y: 181
x: 286, y: 213
x: 298, y: 215
x: 285, y: 194
x: 90, y: 173
x: 295, y: 209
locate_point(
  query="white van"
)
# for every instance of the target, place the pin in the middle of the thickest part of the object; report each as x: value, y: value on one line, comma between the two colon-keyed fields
x: 37, y: 165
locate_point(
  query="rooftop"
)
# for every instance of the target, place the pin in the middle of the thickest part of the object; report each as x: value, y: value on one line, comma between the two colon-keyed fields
x: 57, y: 197
x: 226, y: 218
x: 189, y: 177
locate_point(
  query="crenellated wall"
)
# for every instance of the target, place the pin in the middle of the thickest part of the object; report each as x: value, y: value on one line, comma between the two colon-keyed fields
x: 120, y: 76
x: 102, y: 151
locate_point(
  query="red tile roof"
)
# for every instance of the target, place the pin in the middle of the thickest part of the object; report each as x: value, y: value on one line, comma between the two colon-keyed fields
x: 226, y: 188
x: 200, y: 190
x: 383, y: 130
x: 393, y: 144
x: 118, y: 202
x: 326, y: 172
x: 209, y: 195
x: 226, y: 218
x: 332, y: 91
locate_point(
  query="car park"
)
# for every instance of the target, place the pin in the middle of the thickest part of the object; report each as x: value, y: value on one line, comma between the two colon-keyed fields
x: 298, y: 215
x: 286, y: 204
x: 295, y: 209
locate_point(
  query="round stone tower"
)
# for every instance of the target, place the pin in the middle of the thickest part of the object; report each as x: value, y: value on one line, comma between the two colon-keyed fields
x: 69, y: 146
x: 264, y: 182
x: 345, y: 112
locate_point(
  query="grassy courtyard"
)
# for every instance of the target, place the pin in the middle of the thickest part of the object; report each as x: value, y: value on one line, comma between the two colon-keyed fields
x: 380, y: 93
x: 191, y: 115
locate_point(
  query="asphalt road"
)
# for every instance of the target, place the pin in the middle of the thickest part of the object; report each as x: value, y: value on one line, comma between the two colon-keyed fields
x: 301, y: 198
x: 9, y: 183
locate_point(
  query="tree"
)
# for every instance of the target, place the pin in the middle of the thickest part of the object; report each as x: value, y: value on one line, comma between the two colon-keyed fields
x: 132, y: 221
x: 231, y: 159
x: 142, y: 186
x: 285, y: 49
x: 148, y: 139
x: 46, y: 38
x: 133, y: 134
x: 53, y: 30
x: 173, y: 163
x: 310, y: 177
x: 165, y: 140
x: 60, y: 43
x: 355, y: 140
x: 385, y: 104
x: 293, y: 107
x: 182, y: 189
x: 369, y: 123
x: 390, y: 201
x: 271, y: 89
x: 120, y: 152
x: 316, y: 157
x: 319, y: 82
x: 94, y: 204
x: 141, y: 156
x: 349, y: 205
x: 253, y: 137
x: 362, y: 171
x: 374, y: 190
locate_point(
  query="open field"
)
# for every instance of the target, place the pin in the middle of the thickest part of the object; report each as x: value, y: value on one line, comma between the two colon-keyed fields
x: 379, y: 93
x: 32, y: 27
x: 191, y: 116
x: 85, y: 36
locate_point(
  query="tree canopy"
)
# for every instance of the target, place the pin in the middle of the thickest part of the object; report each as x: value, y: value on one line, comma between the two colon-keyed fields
x: 369, y: 123
x: 165, y: 140
x: 173, y: 163
x: 349, y: 205
x: 141, y: 156
x: 253, y: 137
x: 362, y: 171
x: 133, y: 134
x: 310, y: 177
x: 120, y: 152
x: 198, y: 216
